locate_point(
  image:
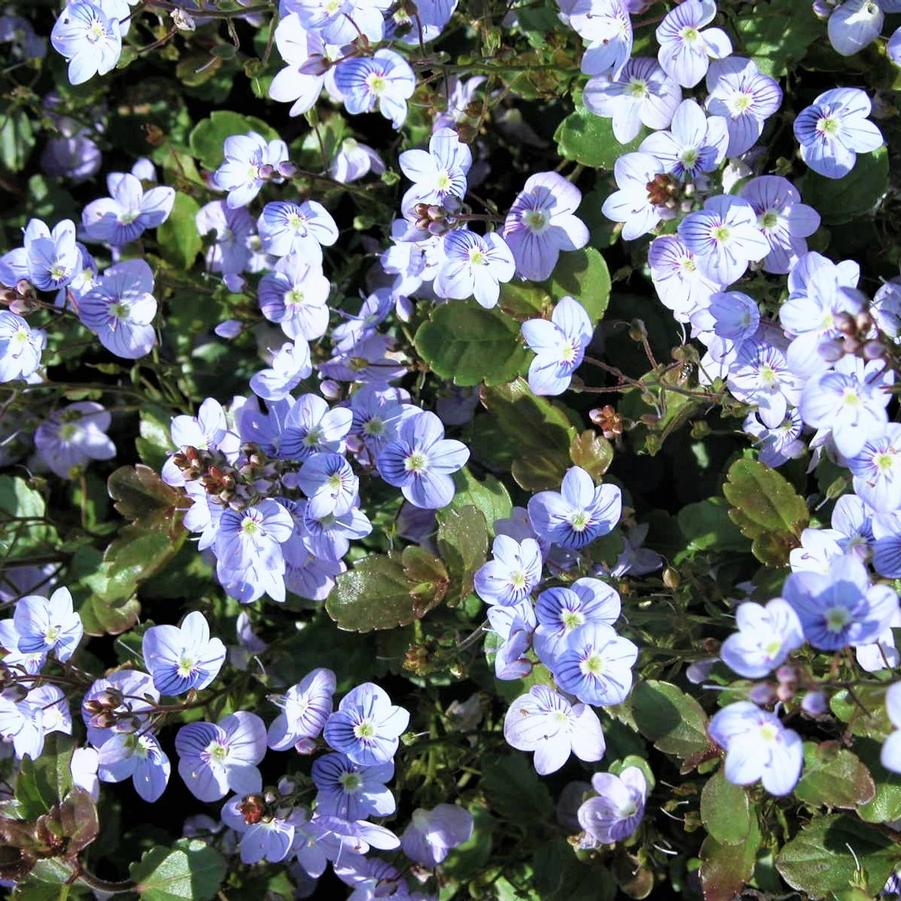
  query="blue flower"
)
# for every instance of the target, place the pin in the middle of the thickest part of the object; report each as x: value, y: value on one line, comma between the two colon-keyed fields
x: 305, y: 708
x: 120, y: 309
x: 120, y: 702
x: 607, y: 26
x: 545, y: 722
x: 181, y: 658
x: 757, y: 746
x: 129, y: 210
x: 138, y: 757
x: 300, y: 228
x: 686, y: 47
x: 264, y: 836
x: 22, y: 724
x: 841, y: 608
x: 784, y: 221
x: 542, y: 222
x: 849, y: 401
x: 890, y: 756
x: 20, y: 347
x: 724, y: 238
x: 559, y: 346
x: 250, y: 161
x: 439, y: 173
x: 694, y: 145
x: 89, y: 39
x: 618, y: 809
x: 641, y: 94
x: 877, y: 470
x: 632, y: 204
x: 765, y: 637
x: 74, y: 435
x: 562, y: 610
x: 474, y: 266
x: 744, y: 97
x: 306, y: 65
x: 512, y: 574
x: 366, y: 727
x: 47, y: 625
x: 350, y: 791
x: 420, y: 461
x: 596, y: 665
x: 215, y: 759
x: 432, y: 834
x: 329, y: 484
x: 514, y: 625
x: 834, y: 129
x: 295, y: 295
x: 577, y: 514
x: 50, y: 260
x: 384, y: 81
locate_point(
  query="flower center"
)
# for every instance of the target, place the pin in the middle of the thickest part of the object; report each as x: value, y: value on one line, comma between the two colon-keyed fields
x: 186, y: 666
x: 535, y: 220
x: 828, y: 126
x: 770, y: 219
x: 350, y: 782
x: 477, y: 257
x: 720, y: 233
x: 416, y: 462
x: 638, y: 88
x: 741, y: 103
x: 364, y: 730
x: 579, y: 520
x: 376, y: 83
x: 837, y: 618
x: 294, y: 298
x: 592, y: 665
x: 572, y: 619
x: 217, y: 751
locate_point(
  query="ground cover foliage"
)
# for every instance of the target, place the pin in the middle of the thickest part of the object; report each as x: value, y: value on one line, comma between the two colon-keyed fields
x: 450, y: 449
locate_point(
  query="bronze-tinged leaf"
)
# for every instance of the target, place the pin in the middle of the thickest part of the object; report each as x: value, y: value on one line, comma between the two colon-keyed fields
x: 141, y: 496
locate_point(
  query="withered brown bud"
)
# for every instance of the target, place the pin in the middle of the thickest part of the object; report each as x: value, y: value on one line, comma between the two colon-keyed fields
x: 252, y: 808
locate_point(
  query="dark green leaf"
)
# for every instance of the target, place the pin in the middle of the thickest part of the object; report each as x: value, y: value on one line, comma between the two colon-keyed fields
x: 527, y: 435
x: 463, y: 545
x: 766, y: 508
x: 588, y: 139
x: 514, y: 791
x: 725, y: 869
x: 839, y: 200
x: 725, y: 811
x: 825, y: 855
x: 885, y: 807
x: 488, y: 495
x: 834, y: 777
x: 469, y: 344
x: 178, y: 237
x: 378, y: 594
x: 190, y: 870
x: 44, y: 782
x: 707, y: 527
x: 777, y: 34
x: 208, y: 137
x: 583, y: 274
x: 673, y: 720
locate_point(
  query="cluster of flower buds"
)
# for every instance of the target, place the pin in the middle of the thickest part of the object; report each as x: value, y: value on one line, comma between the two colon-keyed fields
x: 432, y: 217
x: 607, y: 420
x: 857, y: 337
x: 22, y: 299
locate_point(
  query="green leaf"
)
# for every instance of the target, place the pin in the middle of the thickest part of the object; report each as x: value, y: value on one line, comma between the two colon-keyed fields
x: 707, y: 527
x: 514, y: 791
x: 133, y: 557
x: 726, y: 869
x: 725, y: 811
x: 766, y: 508
x: 592, y: 452
x: 469, y: 344
x: 155, y: 443
x: 463, y: 545
x: 21, y: 511
x: 834, y: 777
x: 523, y: 434
x: 488, y: 495
x: 824, y: 856
x: 588, y: 139
x: 207, y: 139
x: 777, y: 34
x: 378, y: 593
x: 16, y: 139
x: 885, y: 807
x: 190, y: 870
x: 143, y: 497
x: 839, y: 200
x: 583, y: 274
x: 179, y: 240
x: 44, y: 782
x: 673, y: 720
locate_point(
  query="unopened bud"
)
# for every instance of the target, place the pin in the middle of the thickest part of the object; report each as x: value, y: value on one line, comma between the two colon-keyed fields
x: 287, y: 169
x: 873, y: 350
x: 266, y: 171
x: 762, y: 693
